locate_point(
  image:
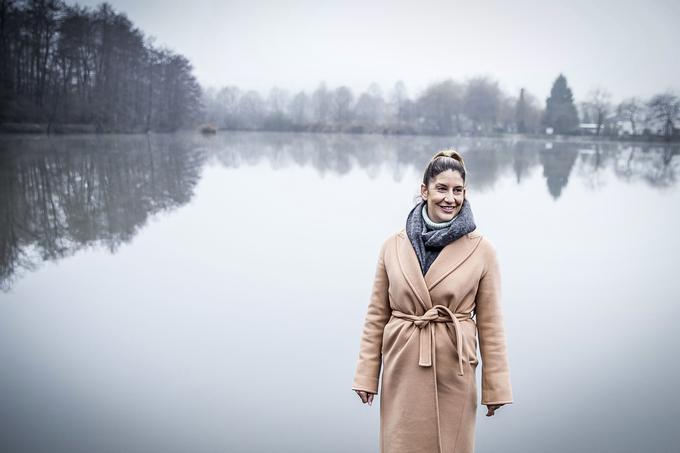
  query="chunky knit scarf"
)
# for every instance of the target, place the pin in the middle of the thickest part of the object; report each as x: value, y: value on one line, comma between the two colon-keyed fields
x: 426, y: 242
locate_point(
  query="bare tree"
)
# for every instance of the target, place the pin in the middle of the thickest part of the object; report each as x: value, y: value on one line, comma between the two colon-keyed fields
x: 321, y: 103
x: 277, y: 100
x: 440, y: 107
x: 298, y: 109
x: 251, y: 108
x: 342, y: 104
x: 399, y: 100
x: 481, y: 102
x: 370, y: 107
x: 599, y: 103
x: 666, y: 108
x: 227, y: 101
x: 65, y: 64
x: 631, y: 110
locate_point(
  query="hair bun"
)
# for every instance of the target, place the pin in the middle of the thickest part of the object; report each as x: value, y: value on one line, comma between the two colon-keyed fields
x: 452, y: 153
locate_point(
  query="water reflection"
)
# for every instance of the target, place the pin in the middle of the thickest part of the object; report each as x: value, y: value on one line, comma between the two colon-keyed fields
x: 208, y: 322
x: 62, y: 194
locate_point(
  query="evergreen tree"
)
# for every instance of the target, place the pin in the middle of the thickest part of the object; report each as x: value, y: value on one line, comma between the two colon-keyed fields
x: 560, y: 111
x: 521, y: 113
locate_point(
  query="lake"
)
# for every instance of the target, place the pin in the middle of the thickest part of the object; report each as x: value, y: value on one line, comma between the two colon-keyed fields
x: 175, y: 293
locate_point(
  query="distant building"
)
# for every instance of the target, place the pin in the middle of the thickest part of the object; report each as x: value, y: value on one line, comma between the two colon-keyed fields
x: 624, y: 128
x: 588, y: 128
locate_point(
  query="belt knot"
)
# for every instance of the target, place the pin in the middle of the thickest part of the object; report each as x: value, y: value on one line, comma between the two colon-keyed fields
x: 430, y: 315
x: 438, y: 313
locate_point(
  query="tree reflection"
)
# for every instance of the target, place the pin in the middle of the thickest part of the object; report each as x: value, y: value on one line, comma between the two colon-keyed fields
x: 60, y: 195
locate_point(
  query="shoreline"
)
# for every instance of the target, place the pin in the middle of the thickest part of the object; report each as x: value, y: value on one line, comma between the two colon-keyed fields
x: 14, y: 129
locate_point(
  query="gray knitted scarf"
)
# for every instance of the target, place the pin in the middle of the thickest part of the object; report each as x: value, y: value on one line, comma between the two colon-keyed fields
x: 428, y: 243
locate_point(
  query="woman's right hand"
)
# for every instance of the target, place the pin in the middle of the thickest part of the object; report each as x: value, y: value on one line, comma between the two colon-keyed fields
x: 366, y: 397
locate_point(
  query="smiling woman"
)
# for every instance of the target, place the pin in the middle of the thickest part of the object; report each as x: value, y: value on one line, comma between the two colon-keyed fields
x: 444, y: 191
x: 436, y: 292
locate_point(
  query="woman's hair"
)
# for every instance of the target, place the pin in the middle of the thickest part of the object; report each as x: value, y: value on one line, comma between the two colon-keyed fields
x: 447, y: 159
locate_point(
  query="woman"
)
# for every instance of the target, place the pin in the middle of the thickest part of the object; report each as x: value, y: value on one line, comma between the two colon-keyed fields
x: 437, y: 284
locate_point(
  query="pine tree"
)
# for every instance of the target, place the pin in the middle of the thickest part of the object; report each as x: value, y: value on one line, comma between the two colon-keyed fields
x: 560, y: 111
x: 521, y: 113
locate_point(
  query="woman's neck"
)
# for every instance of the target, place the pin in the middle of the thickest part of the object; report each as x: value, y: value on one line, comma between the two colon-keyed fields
x: 435, y: 225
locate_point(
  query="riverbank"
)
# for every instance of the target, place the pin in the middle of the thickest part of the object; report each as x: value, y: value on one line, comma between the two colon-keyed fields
x: 64, y: 129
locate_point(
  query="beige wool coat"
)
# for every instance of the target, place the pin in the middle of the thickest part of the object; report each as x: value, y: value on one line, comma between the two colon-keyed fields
x: 423, y: 332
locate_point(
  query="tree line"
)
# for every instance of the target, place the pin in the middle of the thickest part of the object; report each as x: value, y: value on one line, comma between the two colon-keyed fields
x: 598, y: 115
x: 446, y: 107
x: 477, y: 106
x: 71, y: 64
x: 66, y: 64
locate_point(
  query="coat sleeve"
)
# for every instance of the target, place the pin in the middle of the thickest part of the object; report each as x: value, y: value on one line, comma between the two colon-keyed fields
x: 370, y: 356
x: 496, y: 388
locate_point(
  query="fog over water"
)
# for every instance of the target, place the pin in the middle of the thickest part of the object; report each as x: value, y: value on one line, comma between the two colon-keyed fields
x: 178, y: 293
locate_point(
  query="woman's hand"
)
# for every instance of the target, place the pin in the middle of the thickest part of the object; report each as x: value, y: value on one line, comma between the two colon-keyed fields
x: 366, y: 397
x: 491, y: 408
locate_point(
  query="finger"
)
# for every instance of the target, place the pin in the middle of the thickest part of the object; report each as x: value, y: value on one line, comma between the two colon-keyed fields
x: 370, y: 399
x: 362, y: 395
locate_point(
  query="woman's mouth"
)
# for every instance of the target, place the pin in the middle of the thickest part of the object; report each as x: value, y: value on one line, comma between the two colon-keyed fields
x: 447, y: 209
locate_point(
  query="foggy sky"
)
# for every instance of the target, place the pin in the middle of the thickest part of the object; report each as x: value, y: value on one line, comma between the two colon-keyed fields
x: 629, y: 47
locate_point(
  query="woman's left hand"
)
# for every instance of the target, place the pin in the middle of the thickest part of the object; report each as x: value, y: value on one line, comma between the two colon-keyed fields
x: 491, y: 408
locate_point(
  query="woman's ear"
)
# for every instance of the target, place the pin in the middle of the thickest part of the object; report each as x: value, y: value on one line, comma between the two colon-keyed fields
x: 423, y: 191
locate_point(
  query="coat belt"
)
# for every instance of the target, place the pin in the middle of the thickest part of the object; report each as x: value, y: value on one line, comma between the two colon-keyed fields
x: 438, y: 313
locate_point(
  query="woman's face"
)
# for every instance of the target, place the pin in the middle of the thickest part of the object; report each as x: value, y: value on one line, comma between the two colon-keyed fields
x: 444, y: 195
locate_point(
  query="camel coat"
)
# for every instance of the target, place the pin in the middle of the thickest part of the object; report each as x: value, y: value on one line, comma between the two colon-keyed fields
x: 422, y: 332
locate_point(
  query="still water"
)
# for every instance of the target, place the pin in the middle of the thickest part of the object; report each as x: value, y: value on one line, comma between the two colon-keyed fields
x: 177, y: 293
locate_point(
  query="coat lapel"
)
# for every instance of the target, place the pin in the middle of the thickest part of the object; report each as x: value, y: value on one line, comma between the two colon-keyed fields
x: 448, y: 260
x: 410, y: 267
x: 451, y: 256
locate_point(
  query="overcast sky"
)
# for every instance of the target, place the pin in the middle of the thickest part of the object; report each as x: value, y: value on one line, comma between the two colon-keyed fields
x: 629, y: 48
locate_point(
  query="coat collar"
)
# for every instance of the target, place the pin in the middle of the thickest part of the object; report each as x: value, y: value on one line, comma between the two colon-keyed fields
x: 448, y: 260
